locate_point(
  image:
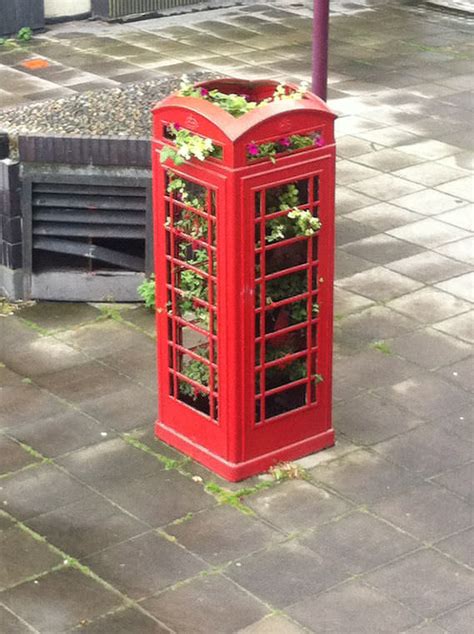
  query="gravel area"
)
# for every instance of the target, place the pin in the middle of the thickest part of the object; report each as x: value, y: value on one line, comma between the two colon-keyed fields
x: 122, y: 111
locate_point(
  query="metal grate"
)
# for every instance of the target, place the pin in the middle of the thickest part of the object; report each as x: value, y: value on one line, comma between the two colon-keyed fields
x: 88, y: 226
x: 114, y: 9
x: 286, y: 291
x: 86, y: 237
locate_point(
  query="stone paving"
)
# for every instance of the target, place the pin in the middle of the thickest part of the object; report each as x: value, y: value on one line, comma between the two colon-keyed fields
x: 106, y: 530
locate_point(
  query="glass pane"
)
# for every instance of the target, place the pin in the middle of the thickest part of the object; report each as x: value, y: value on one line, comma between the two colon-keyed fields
x: 286, y: 286
x: 286, y: 196
x: 285, y: 372
x: 286, y: 343
x: 285, y: 401
x: 285, y: 257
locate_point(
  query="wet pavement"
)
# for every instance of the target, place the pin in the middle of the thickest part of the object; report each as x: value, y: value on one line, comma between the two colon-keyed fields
x: 106, y: 530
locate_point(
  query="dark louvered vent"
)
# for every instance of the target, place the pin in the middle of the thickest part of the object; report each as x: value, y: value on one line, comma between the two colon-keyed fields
x: 89, y: 227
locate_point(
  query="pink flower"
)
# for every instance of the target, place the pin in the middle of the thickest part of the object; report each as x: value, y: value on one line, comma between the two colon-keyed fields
x: 285, y: 142
x: 319, y: 141
x: 253, y: 149
x: 204, y: 92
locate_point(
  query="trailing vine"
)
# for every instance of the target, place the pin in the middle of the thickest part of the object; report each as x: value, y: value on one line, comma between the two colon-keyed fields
x: 187, y: 146
x: 297, y: 222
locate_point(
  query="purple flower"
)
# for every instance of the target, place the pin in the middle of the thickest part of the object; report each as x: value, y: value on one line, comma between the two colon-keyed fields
x: 319, y: 141
x: 204, y: 92
x: 253, y: 149
x: 285, y: 142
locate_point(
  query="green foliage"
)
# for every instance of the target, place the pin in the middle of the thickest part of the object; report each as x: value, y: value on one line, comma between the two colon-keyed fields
x: 238, y: 105
x: 270, y: 149
x: 187, y: 146
x: 298, y: 222
x: 146, y: 290
x: 196, y: 371
x: 381, y: 346
x: 178, y: 187
x: 305, y: 223
x: 288, y: 471
x: 24, y: 34
x: 225, y: 496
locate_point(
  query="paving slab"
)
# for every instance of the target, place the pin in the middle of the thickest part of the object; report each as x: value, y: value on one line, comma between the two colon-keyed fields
x: 11, y: 624
x: 383, y: 216
x: 363, y: 476
x: 59, y: 315
x: 367, y: 419
x: 459, y: 546
x: 429, y: 267
x: 429, y: 305
x: 461, y: 286
x: 60, y: 600
x: 381, y: 248
x: 23, y: 403
x: 459, y: 480
x: 27, y: 557
x: 206, y: 535
x: 429, y: 233
x: 148, y: 563
x: 462, y: 250
x: 423, y: 450
x: 368, y: 327
x: 14, y: 456
x: 425, y: 581
x: 296, y: 506
x: 38, y: 490
x: 87, y: 526
x: 58, y: 435
x: 427, y: 395
x: 162, y: 497
x: 430, y: 349
x: 426, y: 511
x: 347, y: 538
x: 456, y: 621
x: 273, y: 625
x: 213, y: 604
x: 353, y: 607
x: 102, y: 466
x: 124, y: 622
x: 287, y: 573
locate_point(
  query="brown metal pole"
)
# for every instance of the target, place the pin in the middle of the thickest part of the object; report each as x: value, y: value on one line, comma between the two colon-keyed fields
x: 320, y: 47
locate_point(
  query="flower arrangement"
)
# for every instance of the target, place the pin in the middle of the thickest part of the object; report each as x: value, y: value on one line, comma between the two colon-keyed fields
x: 239, y: 104
x: 188, y: 145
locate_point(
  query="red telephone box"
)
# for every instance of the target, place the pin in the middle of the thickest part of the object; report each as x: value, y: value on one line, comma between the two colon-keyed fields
x: 244, y: 248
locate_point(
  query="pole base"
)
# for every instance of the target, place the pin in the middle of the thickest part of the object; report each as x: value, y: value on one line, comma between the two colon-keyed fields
x: 234, y: 472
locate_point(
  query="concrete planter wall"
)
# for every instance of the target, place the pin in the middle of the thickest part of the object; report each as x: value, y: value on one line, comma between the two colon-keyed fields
x: 15, y: 14
x: 134, y: 9
x: 56, y: 10
x: 11, y: 259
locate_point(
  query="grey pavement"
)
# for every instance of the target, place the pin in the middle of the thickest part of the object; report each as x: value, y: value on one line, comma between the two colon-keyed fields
x: 106, y: 530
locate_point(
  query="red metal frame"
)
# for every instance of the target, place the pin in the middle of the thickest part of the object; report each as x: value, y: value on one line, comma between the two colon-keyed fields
x: 239, y: 418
